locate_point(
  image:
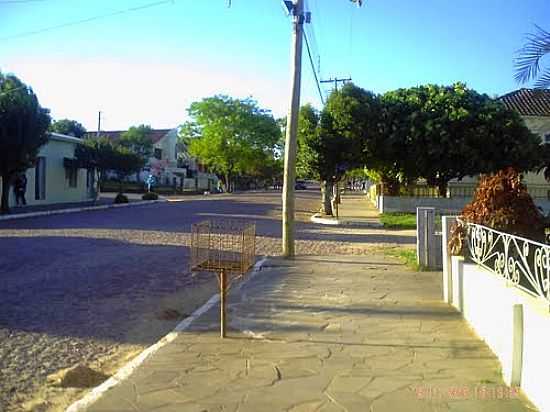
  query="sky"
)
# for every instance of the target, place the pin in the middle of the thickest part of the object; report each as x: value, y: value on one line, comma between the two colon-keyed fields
x: 147, y: 65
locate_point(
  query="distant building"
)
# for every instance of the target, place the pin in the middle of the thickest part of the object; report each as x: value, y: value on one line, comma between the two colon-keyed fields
x: 170, y: 162
x: 57, y: 178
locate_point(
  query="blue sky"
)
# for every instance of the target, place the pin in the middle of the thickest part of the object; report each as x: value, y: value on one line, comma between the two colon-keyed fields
x: 147, y: 66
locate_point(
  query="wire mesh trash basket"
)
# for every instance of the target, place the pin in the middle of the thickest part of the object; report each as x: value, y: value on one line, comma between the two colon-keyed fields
x: 226, y: 248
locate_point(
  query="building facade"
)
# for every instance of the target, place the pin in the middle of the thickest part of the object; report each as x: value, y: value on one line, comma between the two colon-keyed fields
x: 56, y: 177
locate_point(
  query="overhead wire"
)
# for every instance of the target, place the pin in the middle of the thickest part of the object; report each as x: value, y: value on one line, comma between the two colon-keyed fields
x: 88, y: 19
x: 313, y: 69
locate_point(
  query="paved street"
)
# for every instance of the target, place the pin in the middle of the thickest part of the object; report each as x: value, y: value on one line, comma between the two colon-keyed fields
x: 345, y: 333
x: 83, y: 287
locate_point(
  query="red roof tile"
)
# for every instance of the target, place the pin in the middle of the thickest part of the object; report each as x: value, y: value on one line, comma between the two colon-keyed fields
x: 528, y: 102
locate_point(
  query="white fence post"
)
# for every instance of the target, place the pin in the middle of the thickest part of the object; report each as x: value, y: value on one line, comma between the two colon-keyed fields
x: 446, y: 224
x: 517, y: 348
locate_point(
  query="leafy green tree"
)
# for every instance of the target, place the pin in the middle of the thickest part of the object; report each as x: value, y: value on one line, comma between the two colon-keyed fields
x: 529, y: 57
x: 68, y: 127
x: 348, y: 127
x: 125, y: 163
x: 98, y: 153
x: 138, y: 140
x: 227, y: 135
x: 104, y: 155
x: 449, y: 132
x: 23, y: 130
x: 306, y: 157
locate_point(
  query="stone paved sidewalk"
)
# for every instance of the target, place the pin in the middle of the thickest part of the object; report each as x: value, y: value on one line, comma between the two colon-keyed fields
x: 324, y: 334
x: 355, y: 209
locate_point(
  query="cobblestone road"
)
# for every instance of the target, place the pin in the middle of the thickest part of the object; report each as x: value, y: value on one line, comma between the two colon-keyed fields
x: 79, y: 287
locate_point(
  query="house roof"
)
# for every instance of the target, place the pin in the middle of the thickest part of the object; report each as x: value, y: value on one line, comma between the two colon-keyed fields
x: 64, y: 138
x: 156, y: 134
x: 528, y: 102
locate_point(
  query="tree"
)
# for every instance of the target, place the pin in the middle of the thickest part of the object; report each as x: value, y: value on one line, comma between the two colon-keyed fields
x: 228, y: 135
x: 442, y: 133
x: 68, y: 127
x: 138, y: 140
x: 23, y: 130
x: 348, y: 126
x: 125, y: 163
x: 529, y: 57
x: 104, y: 155
x: 308, y: 122
x: 98, y: 153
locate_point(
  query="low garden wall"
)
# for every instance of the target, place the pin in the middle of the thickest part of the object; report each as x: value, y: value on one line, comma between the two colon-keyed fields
x: 390, y: 204
x: 502, y: 290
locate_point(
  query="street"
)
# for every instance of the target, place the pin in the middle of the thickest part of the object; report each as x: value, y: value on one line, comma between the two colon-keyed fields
x: 90, y: 287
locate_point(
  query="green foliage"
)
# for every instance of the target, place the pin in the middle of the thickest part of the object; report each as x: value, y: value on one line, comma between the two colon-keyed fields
x: 529, y: 58
x: 449, y: 132
x: 150, y: 196
x: 348, y: 125
x: 103, y: 154
x: 398, y: 220
x: 307, y: 165
x: 120, y: 198
x: 406, y: 255
x: 138, y: 140
x: 68, y: 127
x: 23, y: 130
x: 230, y: 136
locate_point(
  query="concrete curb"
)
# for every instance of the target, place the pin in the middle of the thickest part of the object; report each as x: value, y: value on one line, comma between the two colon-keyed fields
x: 79, y: 209
x: 316, y: 218
x: 130, y: 367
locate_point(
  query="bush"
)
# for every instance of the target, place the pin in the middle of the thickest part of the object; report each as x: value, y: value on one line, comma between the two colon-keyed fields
x: 150, y: 196
x: 121, y: 198
x: 501, y: 202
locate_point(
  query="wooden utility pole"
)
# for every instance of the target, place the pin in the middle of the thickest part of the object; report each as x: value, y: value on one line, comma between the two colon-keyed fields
x: 98, y: 123
x: 297, y: 12
x: 336, y: 80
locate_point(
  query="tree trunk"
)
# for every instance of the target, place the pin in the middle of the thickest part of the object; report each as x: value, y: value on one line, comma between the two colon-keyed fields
x: 326, y: 195
x: 6, y: 185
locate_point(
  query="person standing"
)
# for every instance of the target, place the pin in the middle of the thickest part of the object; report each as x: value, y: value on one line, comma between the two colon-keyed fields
x: 20, y: 188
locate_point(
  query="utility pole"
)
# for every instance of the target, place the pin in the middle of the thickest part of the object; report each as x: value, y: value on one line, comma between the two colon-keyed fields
x: 296, y: 9
x: 336, y: 80
x: 98, y: 123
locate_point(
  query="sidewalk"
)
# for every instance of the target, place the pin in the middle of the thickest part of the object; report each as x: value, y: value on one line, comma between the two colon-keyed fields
x: 354, y: 210
x: 323, y: 334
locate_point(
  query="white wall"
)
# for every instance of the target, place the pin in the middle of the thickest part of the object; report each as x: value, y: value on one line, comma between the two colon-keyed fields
x: 409, y: 204
x: 519, y: 339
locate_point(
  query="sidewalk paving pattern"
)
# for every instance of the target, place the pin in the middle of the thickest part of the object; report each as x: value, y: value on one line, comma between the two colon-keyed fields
x: 324, y: 334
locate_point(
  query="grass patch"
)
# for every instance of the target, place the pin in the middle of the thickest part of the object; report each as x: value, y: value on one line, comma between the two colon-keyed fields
x: 406, y: 255
x: 398, y: 220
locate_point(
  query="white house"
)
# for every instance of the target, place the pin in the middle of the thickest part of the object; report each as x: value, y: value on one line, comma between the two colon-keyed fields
x: 170, y: 163
x: 56, y: 178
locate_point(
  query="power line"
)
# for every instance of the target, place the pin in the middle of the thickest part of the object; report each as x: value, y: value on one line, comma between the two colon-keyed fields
x: 313, y: 69
x: 87, y: 20
x: 18, y: 1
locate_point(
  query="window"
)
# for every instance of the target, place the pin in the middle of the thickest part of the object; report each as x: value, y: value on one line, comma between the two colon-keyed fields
x: 546, y: 138
x: 40, y: 179
x: 158, y: 154
x: 71, y: 174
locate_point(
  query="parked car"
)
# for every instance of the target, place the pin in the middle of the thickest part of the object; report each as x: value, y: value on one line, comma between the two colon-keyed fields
x: 300, y: 185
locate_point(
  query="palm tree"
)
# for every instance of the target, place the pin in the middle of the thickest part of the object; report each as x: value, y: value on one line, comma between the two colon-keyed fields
x: 528, y: 59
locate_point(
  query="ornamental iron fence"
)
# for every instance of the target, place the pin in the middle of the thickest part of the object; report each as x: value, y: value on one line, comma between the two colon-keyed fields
x: 523, y: 262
